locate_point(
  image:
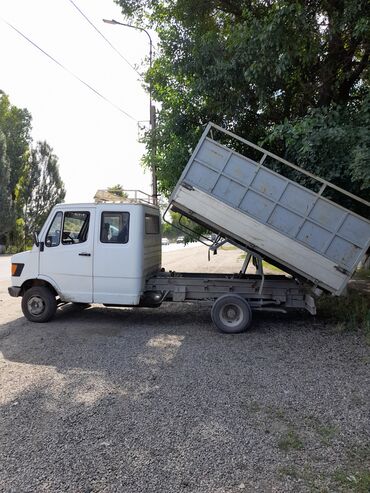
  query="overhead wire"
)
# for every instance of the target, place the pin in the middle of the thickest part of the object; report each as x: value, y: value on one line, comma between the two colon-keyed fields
x: 70, y: 72
x: 105, y: 39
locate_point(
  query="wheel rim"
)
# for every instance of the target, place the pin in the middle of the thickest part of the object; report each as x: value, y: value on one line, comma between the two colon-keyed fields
x: 35, y: 305
x: 231, y: 315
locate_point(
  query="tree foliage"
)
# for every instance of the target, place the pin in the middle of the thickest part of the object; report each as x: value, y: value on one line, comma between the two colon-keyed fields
x: 331, y: 141
x: 118, y: 190
x: 5, y: 197
x: 15, y: 123
x: 40, y: 187
x: 30, y: 184
x: 290, y: 73
x: 178, y: 225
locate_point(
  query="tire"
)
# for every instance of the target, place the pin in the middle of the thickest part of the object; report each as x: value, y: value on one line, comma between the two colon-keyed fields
x: 39, y: 304
x: 231, y: 314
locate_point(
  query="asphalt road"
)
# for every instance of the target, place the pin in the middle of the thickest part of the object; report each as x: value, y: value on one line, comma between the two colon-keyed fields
x: 4, y: 267
x: 157, y: 400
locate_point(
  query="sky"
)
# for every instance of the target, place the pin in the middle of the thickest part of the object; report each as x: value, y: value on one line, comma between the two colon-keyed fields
x: 96, y: 144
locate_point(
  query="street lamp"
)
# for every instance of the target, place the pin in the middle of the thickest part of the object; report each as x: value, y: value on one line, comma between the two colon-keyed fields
x: 152, y: 119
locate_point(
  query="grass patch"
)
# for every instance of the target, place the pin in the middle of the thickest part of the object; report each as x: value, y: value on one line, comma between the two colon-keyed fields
x: 305, y: 476
x: 326, y: 433
x: 229, y: 247
x: 265, y: 264
x: 359, y: 454
x: 290, y: 441
x: 362, y: 274
x: 289, y: 471
x: 357, y: 482
x: 351, y: 312
x: 275, y: 412
x: 355, y: 476
x: 268, y: 266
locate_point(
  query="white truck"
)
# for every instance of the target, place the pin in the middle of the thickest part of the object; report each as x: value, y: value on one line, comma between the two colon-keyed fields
x: 111, y: 253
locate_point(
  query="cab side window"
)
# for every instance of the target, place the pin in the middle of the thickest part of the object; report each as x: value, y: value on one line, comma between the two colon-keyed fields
x: 53, y: 235
x: 114, y: 227
x: 75, y: 227
x: 151, y: 224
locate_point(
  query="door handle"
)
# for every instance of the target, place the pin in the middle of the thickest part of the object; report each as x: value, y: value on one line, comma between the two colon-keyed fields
x: 84, y: 254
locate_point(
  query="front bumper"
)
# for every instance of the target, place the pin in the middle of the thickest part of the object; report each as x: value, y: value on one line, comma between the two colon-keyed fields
x: 13, y: 291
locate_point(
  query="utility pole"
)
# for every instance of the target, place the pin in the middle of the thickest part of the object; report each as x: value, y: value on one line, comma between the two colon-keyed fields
x: 152, y: 115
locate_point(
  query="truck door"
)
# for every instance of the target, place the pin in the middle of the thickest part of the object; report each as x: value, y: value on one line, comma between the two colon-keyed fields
x: 67, y: 256
x: 116, y: 259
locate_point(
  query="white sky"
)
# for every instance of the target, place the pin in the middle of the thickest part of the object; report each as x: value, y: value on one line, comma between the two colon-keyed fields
x: 97, y: 146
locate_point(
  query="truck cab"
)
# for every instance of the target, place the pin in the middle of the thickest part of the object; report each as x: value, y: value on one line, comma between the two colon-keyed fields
x: 88, y: 253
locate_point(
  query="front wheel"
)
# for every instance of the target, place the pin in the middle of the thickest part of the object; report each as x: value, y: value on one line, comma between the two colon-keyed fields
x: 231, y: 314
x: 39, y: 304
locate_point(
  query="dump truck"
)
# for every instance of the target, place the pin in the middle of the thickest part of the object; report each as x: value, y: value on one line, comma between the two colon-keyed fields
x: 243, y: 194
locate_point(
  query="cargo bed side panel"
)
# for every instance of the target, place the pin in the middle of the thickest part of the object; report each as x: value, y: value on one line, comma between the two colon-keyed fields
x: 267, y: 241
x: 298, y: 227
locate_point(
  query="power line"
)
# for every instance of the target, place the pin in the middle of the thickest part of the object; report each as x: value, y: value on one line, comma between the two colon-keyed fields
x: 105, y: 39
x: 70, y: 72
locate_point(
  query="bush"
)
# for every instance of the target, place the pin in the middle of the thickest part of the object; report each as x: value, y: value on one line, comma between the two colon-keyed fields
x: 351, y: 312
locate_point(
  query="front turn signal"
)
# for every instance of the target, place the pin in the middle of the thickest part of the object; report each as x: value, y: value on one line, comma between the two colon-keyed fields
x: 17, y: 269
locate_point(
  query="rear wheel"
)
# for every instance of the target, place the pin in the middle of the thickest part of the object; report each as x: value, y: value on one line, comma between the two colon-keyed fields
x: 231, y: 314
x: 39, y: 304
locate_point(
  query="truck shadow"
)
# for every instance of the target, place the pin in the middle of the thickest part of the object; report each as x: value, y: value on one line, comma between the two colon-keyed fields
x: 110, y: 393
x: 65, y: 341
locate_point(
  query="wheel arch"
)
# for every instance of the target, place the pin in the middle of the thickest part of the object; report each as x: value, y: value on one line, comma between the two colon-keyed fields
x: 30, y: 283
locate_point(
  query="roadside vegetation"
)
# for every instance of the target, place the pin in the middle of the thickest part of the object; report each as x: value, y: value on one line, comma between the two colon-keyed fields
x: 296, y: 434
x: 363, y: 274
x: 178, y: 225
x: 349, y: 313
x: 30, y: 184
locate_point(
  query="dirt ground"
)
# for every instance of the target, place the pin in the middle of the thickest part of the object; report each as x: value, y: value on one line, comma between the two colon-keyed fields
x: 157, y: 400
x: 182, y: 259
x: 195, y: 259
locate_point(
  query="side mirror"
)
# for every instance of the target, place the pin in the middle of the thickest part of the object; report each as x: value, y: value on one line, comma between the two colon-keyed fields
x: 36, y: 239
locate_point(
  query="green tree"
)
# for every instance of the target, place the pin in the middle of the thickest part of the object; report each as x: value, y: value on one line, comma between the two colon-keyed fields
x: 178, y: 225
x: 292, y: 73
x: 41, y: 188
x: 118, y: 190
x: 6, y: 215
x: 332, y: 141
x: 15, y: 123
x: 15, y: 129
x: 30, y: 183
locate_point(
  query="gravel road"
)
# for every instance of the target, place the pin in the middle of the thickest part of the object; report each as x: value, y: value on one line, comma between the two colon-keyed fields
x: 157, y: 400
